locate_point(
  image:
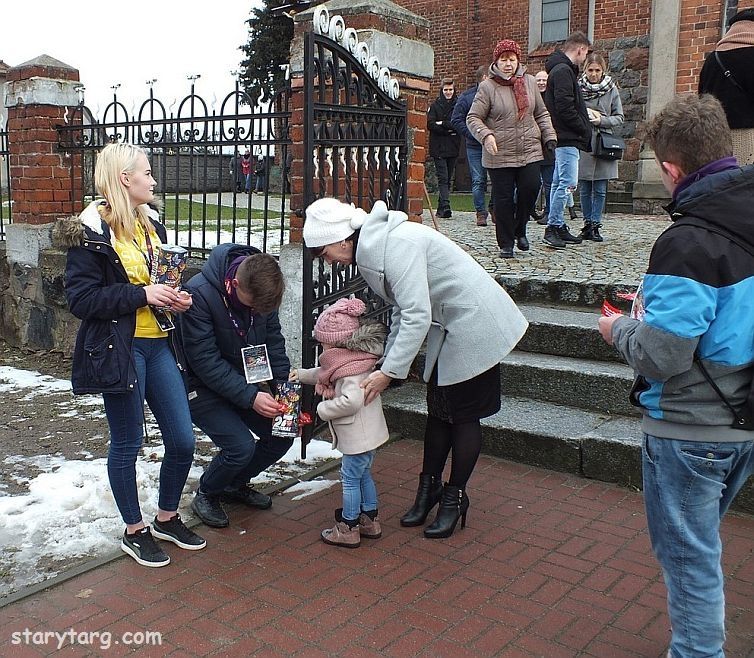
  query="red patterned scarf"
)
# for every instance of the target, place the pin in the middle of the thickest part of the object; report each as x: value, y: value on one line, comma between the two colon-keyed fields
x: 518, y: 82
x: 337, y: 363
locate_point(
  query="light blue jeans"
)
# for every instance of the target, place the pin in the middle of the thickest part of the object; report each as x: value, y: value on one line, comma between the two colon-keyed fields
x: 592, y: 194
x: 478, y: 176
x: 564, y: 180
x: 359, y: 492
x: 688, y: 487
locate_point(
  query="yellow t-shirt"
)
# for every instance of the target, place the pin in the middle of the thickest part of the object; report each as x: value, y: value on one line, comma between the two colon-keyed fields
x: 132, y: 256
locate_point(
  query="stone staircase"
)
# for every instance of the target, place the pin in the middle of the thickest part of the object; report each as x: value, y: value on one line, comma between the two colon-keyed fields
x: 565, y: 396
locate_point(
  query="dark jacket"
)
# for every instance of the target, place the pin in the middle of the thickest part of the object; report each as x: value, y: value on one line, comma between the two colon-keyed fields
x: 210, y: 341
x: 460, y: 112
x: 738, y: 105
x: 99, y: 293
x: 444, y: 141
x: 696, y: 296
x: 565, y: 103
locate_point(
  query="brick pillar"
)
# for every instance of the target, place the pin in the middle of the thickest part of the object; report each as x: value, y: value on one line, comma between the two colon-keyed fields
x: 399, y: 39
x: 40, y: 95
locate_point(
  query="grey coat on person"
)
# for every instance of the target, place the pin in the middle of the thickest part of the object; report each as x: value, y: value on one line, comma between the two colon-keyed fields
x: 611, y: 110
x: 438, y: 292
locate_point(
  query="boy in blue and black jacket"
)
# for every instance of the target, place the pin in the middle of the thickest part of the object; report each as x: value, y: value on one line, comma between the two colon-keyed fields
x: 699, y: 315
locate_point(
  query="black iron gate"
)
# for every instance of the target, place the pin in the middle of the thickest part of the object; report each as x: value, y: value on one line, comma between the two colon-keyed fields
x: 355, y: 149
x: 6, y: 203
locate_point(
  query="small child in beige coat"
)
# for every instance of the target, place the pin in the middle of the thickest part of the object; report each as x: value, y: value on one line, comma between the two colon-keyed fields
x: 351, y: 346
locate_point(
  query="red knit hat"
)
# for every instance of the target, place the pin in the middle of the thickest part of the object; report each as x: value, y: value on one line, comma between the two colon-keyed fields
x: 336, y: 323
x: 506, y: 46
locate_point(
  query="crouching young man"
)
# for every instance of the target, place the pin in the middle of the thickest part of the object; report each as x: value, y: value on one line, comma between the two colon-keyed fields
x: 235, y: 302
x: 697, y: 334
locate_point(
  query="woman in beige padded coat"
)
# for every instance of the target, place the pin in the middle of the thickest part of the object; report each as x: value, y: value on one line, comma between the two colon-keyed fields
x: 510, y: 120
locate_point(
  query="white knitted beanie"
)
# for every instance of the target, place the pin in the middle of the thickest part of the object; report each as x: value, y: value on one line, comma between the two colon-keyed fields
x: 329, y: 221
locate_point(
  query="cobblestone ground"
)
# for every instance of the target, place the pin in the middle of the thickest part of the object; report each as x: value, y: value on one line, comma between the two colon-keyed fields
x: 622, y: 257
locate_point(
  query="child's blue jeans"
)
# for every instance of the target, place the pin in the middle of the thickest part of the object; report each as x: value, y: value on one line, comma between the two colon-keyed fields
x: 359, y: 492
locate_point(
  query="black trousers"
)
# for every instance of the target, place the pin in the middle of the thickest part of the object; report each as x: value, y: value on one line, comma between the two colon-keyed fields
x: 444, y: 168
x: 521, y: 183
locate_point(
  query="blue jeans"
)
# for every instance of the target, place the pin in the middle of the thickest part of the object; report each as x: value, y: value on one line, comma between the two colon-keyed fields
x: 359, y: 492
x: 241, y: 456
x: 592, y: 194
x: 688, y: 487
x: 161, y: 384
x: 564, y: 181
x: 478, y: 177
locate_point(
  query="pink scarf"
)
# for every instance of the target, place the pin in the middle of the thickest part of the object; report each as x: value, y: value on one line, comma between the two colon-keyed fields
x: 740, y: 35
x: 337, y: 363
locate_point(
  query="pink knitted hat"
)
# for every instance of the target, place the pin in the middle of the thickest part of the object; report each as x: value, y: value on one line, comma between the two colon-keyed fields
x: 337, y: 323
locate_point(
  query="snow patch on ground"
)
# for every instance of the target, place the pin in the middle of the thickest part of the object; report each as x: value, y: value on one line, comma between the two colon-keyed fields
x: 304, y: 489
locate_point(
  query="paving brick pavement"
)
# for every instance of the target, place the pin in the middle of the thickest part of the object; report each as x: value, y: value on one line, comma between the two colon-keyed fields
x: 621, y: 258
x: 549, y: 565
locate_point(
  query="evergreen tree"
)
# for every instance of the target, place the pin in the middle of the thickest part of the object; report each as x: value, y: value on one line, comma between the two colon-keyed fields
x: 266, y: 51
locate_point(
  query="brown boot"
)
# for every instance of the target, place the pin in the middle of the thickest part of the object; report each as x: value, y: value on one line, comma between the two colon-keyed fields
x: 342, y: 534
x: 481, y: 218
x: 369, y: 526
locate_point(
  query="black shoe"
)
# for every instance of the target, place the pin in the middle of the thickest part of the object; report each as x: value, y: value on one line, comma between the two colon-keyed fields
x: 174, y: 530
x: 537, y: 216
x: 454, y: 505
x: 542, y: 221
x: 444, y: 213
x: 587, y: 232
x: 573, y: 214
x: 522, y: 243
x: 565, y: 235
x: 247, y: 496
x: 142, y: 547
x: 209, y: 510
x: 596, y: 237
x: 506, y: 252
x: 552, y: 238
x: 427, y: 496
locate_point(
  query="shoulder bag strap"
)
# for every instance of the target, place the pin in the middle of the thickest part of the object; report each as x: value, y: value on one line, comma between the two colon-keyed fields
x: 727, y: 73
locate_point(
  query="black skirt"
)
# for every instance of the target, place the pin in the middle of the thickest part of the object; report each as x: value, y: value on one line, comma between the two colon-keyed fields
x: 465, y: 401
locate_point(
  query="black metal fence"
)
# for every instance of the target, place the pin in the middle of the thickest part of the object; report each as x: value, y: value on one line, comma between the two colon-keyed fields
x: 196, y: 156
x: 355, y: 146
x: 6, y: 201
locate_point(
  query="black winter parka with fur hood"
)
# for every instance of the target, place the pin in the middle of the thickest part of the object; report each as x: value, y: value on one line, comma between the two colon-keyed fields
x: 101, y: 296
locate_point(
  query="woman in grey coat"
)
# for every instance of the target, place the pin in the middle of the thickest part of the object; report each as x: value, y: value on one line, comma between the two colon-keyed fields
x: 606, y: 113
x: 438, y: 293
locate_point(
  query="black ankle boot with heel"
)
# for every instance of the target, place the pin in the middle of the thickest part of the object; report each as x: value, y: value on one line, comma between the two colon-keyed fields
x: 454, y: 505
x: 427, y: 496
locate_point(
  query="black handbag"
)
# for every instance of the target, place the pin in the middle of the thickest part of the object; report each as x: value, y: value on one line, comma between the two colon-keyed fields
x: 608, y: 147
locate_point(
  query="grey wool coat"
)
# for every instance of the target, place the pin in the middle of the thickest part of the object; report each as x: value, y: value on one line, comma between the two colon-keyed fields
x: 438, y: 292
x: 611, y: 110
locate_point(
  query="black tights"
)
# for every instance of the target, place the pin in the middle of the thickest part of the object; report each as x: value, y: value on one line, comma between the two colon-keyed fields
x: 464, y: 439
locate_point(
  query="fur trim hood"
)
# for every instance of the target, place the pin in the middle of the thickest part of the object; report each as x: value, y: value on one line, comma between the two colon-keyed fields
x: 70, y: 231
x: 369, y: 337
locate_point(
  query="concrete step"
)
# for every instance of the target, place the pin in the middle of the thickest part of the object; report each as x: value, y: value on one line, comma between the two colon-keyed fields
x: 564, y: 331
x: 593, y: 445
x: 598, y: 386
x: 546, y: 290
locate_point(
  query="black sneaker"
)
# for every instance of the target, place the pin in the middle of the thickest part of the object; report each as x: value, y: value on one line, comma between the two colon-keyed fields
x: 142, y: 547
x: 566, y: 236
x: 174, y: 530
x: 248, y: 496
x: 209, y: 510
x: 552, y: 238
x: 522, y: 243
x: 506, y: 252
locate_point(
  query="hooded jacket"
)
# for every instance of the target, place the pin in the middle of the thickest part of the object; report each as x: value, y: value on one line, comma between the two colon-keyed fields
x: 494, y: 112
x: 355, y: 428
x: 438, y: 292
x: 566, y: 104
x: 210, y: 341
x: 699, y: 297
x: 101, y: 296
x: 444, y: 141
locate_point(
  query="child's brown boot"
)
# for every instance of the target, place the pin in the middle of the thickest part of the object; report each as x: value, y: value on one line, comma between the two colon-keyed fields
x: 344, y: 533
x: 369, y: 525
